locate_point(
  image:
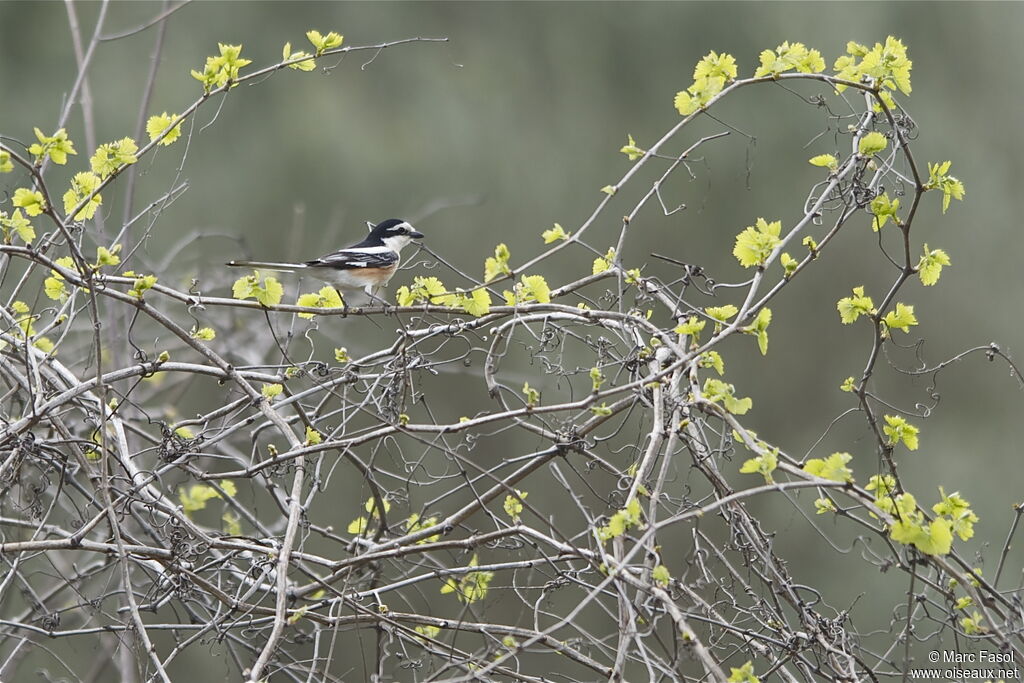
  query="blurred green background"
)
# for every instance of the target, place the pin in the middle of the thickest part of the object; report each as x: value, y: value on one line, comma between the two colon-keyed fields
x: 515, y: 123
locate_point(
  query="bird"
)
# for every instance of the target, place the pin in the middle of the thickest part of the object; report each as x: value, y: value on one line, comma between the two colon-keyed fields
x: 364, y: 266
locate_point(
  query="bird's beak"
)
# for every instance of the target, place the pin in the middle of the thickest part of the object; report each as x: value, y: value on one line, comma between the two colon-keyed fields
x: 416, y: 235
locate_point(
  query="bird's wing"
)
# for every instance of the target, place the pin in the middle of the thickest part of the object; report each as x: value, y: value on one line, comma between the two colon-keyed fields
x: 348, y: 259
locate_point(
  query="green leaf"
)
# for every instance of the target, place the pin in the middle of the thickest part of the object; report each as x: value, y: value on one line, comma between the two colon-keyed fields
x: 221, y: 69
x: 57, y: 147
x: 322, y: 42
x: 341, y: 355
x: 514, y: 505
x: 313, y: 437
x: 597, y: 378
x: 883, y: 209
x: 371, y: 506
x: 54, y: 289
x: 847, y: 385
x: 415, y: 523
x: 616, y: 526
x: 602, y: 410
x: 603, y: 263
x: 554, y: 234
x: 910, y: 528
x: 755, y: 244
x: 887, y: 65
x: 699, y: 94
x: 249, y: 287
x: 271, y: 293
x: 958, y: 511
x: 17, y: 224
x: 156, y: 125
x: 714, y: 65
x: 972, y: 624
x: 30, y: 200
x: 823, y: 505
x: 789, y: 264
x: 428, y: 631
x: 898, y: 429
x: 269, y: 391
x: 107, y: 257
x: 691, y: 328
x: 141, y: 284
x: 113, y: 156
x: 358, y: 526
x: 744, y: 674
x: 67, y: 263
x: 883, y: 485
x: 763, y: 464
x: 872, y: 143
x: 304, y: 65
x: 6, y: 165
x: 712, y: 359
x: 195, y: 496
x: 471, y: 587
x: 203, y: 333
x: 82, y: 185
x: 23, y: 318
x: 623, y: 520
x: 902, y: 318
x: 423, y: 290
x: 497, y: 265
x: 532, y: 395
x: 852, y: 307
x: 661, y: 575
x: 721, y: 313
x: 833, y: 467
x: 609, y: 189
x: 787, y: 57
x: 717, y: 391
x: 327, y: 297
x: 825, y: 161
x: 759, y: 328
x: 530, y: 288
x: 939, y: 179
x: 477, y: 303
x: 929, y: 268
x: 631, y: 150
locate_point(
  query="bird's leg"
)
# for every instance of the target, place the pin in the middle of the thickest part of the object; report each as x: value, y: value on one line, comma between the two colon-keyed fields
x: 372, y: 292
x: 344, y: 303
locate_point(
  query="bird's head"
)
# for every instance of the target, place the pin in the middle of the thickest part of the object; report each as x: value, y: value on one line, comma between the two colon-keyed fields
x: 395, y: 233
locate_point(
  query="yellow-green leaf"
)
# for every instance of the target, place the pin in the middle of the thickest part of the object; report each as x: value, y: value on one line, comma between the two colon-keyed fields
x: 30, y: 200
x: 872, y: 143
x: 156, y: 125
x: 825, y: 161
x: 554, y: 234
x: 833, y: 467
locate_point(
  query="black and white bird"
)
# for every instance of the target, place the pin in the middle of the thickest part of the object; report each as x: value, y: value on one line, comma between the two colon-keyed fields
x: 364, y: 266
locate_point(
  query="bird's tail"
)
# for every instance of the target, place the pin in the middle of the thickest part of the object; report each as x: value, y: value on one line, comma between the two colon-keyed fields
x: 268, y: 265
